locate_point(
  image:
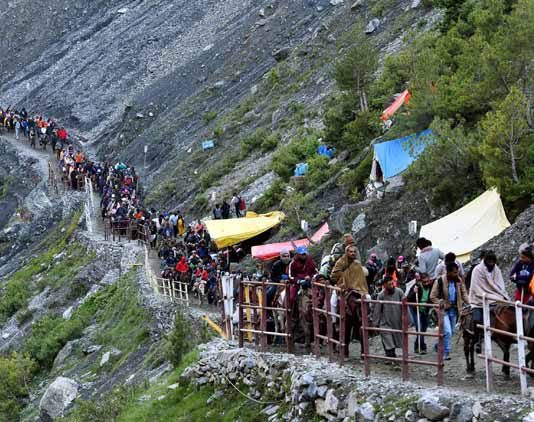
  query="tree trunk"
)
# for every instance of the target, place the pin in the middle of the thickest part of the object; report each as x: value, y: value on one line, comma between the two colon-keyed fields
x: 514, y: 165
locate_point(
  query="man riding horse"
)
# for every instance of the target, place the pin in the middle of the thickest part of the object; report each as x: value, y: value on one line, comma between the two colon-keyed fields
x: 350, y: 276
x: 486, y: 279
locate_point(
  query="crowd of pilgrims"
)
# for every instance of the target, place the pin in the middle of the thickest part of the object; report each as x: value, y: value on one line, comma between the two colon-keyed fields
x: 187, y: 254
x: 33, y: 128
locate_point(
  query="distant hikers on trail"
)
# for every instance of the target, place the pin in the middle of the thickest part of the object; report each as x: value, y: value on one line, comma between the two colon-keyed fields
x: 33, y: 128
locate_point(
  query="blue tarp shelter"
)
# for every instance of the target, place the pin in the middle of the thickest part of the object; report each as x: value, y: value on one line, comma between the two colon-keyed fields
x: 326, y: 151
x: 301, y: 169
x: 208, y: 144
x: 391, y: 158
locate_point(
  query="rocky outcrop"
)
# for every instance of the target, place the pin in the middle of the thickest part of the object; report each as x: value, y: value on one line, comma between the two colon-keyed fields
x: 314, y: 388
x: 57, y: 398
x: 506, y: 245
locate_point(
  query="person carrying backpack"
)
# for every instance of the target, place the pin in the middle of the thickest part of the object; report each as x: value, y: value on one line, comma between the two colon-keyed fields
x: 451, y: 290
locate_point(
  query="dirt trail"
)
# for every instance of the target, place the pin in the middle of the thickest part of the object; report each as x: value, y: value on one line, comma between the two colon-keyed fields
x: 23, y: 147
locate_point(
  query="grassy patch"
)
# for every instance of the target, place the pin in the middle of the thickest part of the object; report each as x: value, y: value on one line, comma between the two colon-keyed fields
x: 159, y: 403
x: 4, y: 185
x: 15, y: 373
x: 19, y: 287
x: 122, y: 323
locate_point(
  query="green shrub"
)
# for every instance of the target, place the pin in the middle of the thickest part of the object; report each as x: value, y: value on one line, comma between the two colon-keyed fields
x: 356, y: 179
x: 216, y: 172
x: 210, y: 116
x: 179, y: 340
x: 288, y: 156
x: 319, y: 171
x: 271, y: 197
x: 19, y: 287
x: 259, y: 141
x: 49, y: 335
x: 218, y: 132
x: 15, y: 372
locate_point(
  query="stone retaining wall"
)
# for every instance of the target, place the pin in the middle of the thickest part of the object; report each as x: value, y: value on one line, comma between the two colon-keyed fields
x: 297, y: 388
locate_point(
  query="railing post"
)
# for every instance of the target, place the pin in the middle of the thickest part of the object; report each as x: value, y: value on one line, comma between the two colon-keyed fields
x: 240, y: 313
x: 289, y: 328
x: 405, y: 339
x: 441, y: 333
x: 342, y: 320
x: 521, y: 360
x: 263, y: 321
x: 315, y: 313
x: 329, y: 324
x: 365, y: 336
x: 487, y: 344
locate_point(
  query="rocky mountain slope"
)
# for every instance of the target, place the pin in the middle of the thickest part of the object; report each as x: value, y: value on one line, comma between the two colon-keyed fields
x: 168, y: 74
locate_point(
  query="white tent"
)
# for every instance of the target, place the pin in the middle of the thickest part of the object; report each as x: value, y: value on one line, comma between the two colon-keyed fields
x: 469, y: 227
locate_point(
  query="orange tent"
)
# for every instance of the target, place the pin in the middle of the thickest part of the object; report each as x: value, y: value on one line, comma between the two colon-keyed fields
x: 402, y: 98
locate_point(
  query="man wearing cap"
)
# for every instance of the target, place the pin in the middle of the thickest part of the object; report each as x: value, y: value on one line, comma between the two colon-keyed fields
x: 301, y: 271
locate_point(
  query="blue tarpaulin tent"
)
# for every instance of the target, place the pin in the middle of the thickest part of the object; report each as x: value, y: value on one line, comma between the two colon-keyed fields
x: 391, y: 158
x: 208, y: 144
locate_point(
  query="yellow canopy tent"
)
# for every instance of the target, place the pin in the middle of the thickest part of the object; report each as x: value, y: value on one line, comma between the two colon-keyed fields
x: 229, y: 232
x: 469, y: 227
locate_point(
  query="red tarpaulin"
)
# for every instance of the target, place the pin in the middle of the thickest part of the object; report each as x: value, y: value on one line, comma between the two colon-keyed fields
x: 402, y: 98
x: 267, y: 252
x: 319, y: 234
x: 271, y: 251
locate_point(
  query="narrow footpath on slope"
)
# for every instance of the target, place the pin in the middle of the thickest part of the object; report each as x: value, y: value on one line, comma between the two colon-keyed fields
x: 94, y: 221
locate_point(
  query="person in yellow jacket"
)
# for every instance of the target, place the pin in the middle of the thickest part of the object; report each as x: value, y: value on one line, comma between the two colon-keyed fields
x: 180, y: 223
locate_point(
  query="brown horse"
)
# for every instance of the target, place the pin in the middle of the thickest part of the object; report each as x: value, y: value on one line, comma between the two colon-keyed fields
x: 504, y: 320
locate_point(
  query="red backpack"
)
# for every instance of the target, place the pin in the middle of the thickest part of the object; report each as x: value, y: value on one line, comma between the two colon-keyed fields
x: 242, y: 204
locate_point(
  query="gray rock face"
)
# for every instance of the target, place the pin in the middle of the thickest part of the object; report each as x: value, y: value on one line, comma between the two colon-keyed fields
x: 57, y: 398
x: 358, y: 223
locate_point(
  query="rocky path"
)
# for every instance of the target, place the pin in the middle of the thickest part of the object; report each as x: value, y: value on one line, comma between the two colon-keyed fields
x: 94, y: 224
x: 23, y: 147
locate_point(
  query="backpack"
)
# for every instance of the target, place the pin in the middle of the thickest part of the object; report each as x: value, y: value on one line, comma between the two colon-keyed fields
x: 242, y: 204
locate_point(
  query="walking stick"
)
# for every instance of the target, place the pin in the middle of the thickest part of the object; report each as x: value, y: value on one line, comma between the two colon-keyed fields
x: 418, y: 322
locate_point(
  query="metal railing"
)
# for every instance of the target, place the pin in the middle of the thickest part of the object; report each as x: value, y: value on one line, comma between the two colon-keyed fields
x: 327, y: 313
x: 405, y: 331
x: 519, y: 337
x: 253, y: 311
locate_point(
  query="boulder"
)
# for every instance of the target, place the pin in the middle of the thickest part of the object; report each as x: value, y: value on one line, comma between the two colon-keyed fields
x: 432, y: 409
x: 65, y: 352
x: 461, y: 412
x: 528, y: 418
x: 415, y: 4
x: 364, y: 412
x: 57, y: 398
x: 105, y: 359
x: 331, y: 402
x: 336, y: 2
x: 372, y: 26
